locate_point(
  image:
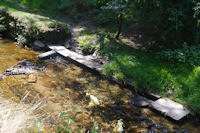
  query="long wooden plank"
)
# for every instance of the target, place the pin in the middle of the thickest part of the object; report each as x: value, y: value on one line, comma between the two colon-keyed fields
x: 77, y: 57
x: 170, y: 108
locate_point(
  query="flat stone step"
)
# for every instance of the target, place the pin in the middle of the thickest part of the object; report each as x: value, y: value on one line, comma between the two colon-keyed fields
x: 86, y: 61
x: 47, y: 54
x: 170, y: 108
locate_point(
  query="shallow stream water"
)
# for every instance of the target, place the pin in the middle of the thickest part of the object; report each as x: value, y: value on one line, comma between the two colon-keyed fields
x: 67, y: 90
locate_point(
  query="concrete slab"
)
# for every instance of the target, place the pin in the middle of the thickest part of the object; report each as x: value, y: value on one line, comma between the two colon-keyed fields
x: 170, y: 108
x: 88, y: 62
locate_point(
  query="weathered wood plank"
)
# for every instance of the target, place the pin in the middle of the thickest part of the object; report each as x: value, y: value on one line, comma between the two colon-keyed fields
x: 170, y: 108
x: 47, y: 54
x: 77, y: 57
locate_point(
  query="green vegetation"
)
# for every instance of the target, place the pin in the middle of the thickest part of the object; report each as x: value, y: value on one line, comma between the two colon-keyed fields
x: 172, y: 78
x: 2, y: 24
x: 168, y: 66
x: 170, y: 24
x: 69, y: 128
x: 188, y: 54
x: 26, y: 27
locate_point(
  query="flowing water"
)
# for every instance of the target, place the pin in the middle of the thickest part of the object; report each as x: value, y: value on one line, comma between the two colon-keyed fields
x: 71, y: 91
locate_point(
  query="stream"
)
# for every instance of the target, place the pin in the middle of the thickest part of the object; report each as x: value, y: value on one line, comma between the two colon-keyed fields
x: 87, y: 99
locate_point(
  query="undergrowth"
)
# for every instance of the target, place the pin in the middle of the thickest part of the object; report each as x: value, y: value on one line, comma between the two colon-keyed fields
x: 173, y: 77
x: 70, y: 129
x: 188, y: 54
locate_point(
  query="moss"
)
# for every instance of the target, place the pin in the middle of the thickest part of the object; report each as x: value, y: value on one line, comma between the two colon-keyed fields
x: 31, y: 27
x: 66, y: 28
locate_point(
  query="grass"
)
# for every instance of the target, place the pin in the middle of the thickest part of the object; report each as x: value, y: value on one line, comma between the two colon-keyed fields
x: 18, y: 117
x: 32, y: 20
x: 177, y: 81
x: 88, y: 43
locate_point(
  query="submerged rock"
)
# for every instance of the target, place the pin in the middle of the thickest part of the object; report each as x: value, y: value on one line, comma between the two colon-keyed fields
x: 94, y: 99
x: 23, y: 67
x: 21, y: 70
x: 32, y: 78
x: 120, y: 126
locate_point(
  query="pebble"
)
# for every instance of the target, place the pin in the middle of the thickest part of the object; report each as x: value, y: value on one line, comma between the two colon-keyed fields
x: 32, y: 78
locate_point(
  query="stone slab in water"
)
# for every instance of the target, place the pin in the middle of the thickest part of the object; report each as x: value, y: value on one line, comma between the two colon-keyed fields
x: 141, y: 101
x: 22, y: 67
x: 47, y: 54
x: 21, y: 70
x: 170, y: 108
x: 88, y: 62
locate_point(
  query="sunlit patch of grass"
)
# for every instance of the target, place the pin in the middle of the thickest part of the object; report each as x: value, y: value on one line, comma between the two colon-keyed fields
x: 88, y: 43
x: 177, y: 81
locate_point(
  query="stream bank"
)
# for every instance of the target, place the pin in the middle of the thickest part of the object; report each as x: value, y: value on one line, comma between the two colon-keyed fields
x: 25, y: 27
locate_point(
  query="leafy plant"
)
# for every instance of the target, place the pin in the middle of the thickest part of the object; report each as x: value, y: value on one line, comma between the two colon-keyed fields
x: 69, y: 129
x: 188, y: 54
x: 2, y: 24
x: 64, y: 115
x: 197, y: 10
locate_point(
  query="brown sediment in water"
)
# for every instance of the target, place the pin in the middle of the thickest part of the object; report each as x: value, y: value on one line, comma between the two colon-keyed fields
x: 65, y: 86
x: 11, y: 53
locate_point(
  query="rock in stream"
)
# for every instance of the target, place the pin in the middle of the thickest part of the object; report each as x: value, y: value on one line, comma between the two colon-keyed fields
x: 23, y: 67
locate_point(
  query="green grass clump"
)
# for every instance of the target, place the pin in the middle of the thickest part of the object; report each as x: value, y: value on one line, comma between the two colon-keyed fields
x: 88, y: 43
